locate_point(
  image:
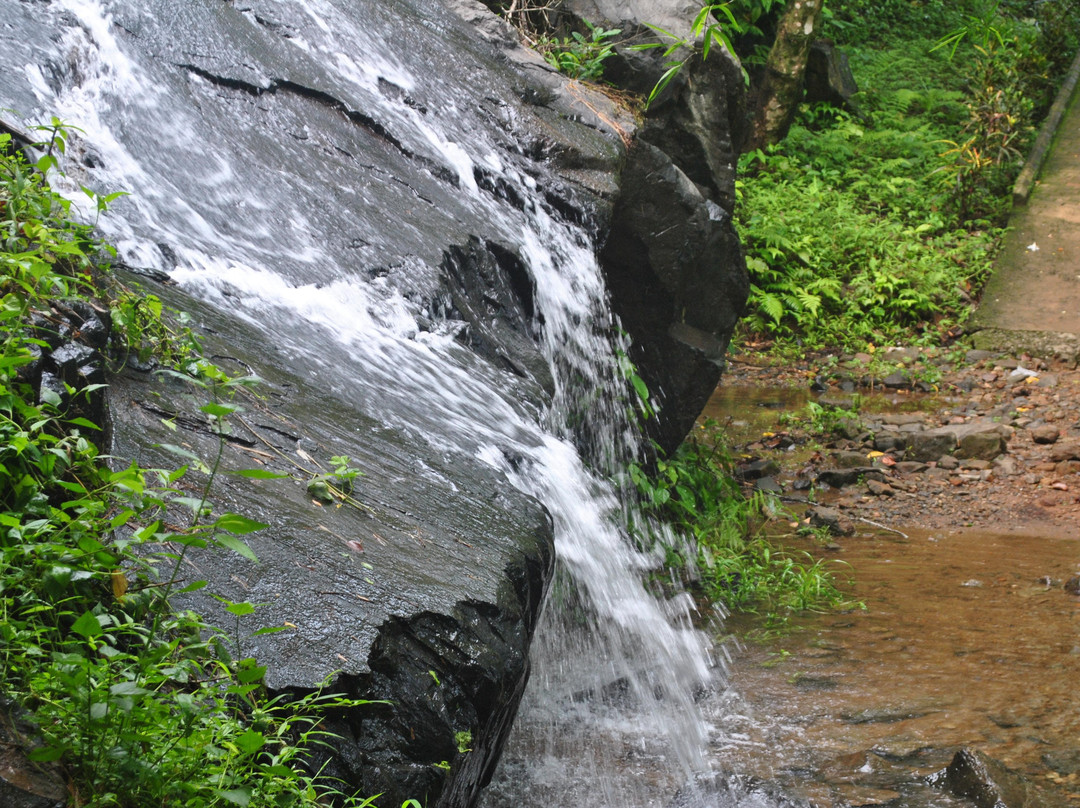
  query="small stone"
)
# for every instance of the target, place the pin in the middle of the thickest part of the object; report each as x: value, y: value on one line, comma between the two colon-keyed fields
x: 879, y: 489
x: 981, y: 445
x: 836, y: 523
x: 973, y: 357
x: 948, y: 462
x: 1045, y: 434
x: 849, y: 460
x: 1006, y: 466
x: 910, y: 467
x: 769, y: 485
x: 1065, y: 450
x: 1067, y: 467
x: 896, y: 380
x: 1072, y: 586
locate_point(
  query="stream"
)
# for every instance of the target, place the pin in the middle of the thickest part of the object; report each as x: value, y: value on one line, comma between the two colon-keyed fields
x: 968, y: 639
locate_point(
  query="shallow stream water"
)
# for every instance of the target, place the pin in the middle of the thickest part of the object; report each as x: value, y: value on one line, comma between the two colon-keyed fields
x: 968, y: 639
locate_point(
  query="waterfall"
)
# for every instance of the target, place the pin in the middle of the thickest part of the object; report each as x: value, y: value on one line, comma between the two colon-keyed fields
x: 610, y: 716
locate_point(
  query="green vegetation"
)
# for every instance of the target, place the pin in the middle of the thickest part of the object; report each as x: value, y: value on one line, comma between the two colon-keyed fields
x: 881, y: 227
x: 736, y: 561
x: 133, y: 702
x: 580, y: 56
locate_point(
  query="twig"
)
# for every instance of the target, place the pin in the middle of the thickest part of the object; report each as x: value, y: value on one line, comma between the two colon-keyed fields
x: 883, y: 527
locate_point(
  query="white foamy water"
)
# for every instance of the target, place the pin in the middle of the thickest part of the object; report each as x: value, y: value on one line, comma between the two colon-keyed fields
x: 615, y: 669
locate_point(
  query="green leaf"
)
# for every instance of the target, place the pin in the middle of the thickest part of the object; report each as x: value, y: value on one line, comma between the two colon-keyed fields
x: 237, y: 796
x: 253, y: 674
x: 259, y: 474
x: 235, y: 523
x: 240, y: 609
x: 49, y: 396
x: 46, y: 754
x: 218, y: 410
x: 84, y: 423
x: 251, y: 741
x: 238, y: 546
x: 87, y: 625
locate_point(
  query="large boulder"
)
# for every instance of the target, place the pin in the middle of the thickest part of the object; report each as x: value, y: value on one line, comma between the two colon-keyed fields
x: 673, y: 260
x: 359, y: 201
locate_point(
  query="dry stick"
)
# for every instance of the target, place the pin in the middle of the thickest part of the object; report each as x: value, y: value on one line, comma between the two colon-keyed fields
x: 883, y: 527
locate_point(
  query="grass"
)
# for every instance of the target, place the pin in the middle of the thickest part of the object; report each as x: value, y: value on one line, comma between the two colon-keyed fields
x: 720, y: 545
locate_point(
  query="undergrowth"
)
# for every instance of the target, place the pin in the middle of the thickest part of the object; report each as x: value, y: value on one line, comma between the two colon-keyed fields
x: 719, y: 542
x: 881, y: 227
x: 131, y: 701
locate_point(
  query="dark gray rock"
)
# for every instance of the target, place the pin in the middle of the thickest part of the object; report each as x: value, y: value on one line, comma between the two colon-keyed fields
x: 977, y: 439
x: 887, y: 441
x: 983, y: 445
x: 24, y: 784
x: 756, y: 469
x: 849, y: 460
x: 442, y: 572
x: 840, y: 478
x: 673, y: 261
x: 828, y: 76
x: 990, y: 784
x: 678, y: 283
x: 768, y: 485
x: 832, y: 519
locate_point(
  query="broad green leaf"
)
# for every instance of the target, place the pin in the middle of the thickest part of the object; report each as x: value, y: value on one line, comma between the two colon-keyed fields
x: 251, y: 741
x: 235, y: 523
x: 218, y: 410
x: 237, y: 796
x: 87, y: 625
x: 259, y: 474
x: 238, y: 546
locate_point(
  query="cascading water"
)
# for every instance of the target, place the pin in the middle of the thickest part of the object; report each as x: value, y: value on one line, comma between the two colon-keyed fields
x: 301, y: 256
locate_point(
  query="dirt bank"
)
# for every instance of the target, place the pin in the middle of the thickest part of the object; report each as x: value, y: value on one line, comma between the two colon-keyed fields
x: 907, y: 437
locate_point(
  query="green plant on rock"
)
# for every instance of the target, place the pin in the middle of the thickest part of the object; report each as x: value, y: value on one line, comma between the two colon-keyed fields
x: 580, y: 56
x: 705, y: 27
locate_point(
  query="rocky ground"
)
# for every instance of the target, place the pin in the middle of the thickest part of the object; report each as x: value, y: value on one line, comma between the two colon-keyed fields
x: 918, y: 437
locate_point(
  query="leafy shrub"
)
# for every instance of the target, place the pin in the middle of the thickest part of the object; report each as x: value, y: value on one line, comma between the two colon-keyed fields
x: 580, y: 56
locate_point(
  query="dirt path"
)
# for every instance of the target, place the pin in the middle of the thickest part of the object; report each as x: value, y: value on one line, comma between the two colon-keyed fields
x: 1033, y: 298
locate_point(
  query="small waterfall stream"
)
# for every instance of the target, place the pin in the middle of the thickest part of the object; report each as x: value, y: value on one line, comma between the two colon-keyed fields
x: 615, y: 671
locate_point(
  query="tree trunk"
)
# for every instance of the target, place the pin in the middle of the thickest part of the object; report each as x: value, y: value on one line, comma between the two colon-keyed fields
x: 781, y: 89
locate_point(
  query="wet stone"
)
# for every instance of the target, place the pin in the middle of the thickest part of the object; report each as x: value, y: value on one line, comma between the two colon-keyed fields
x: 981, y: 445
x: 990, y: 784
x: 839, y: 478
x: 849, y: 460
x: 879, y: 489
x: 837, y: 523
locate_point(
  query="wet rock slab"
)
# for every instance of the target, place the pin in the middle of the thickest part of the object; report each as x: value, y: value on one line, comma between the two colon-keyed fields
x: 425, y: 597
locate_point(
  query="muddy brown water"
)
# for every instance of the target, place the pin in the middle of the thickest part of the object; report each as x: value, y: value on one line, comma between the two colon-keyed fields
x: 968, y: 639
